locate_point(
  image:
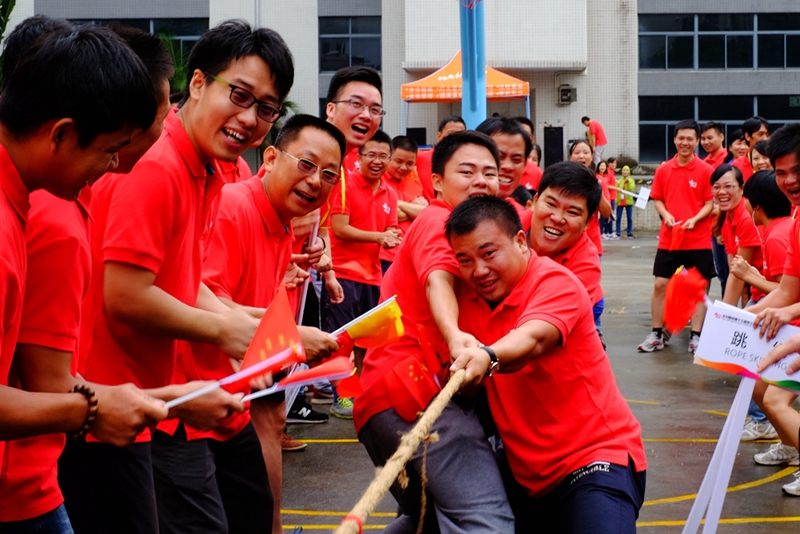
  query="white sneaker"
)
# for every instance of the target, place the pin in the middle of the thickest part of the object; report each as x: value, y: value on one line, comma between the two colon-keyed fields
x: 753, y: 431
x: 793, y: 488
x: 651, y: 343
x: 778, y: 454
x: 693, y: 343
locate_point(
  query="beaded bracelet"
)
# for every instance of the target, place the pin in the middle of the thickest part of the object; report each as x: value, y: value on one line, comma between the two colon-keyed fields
x: 91, y: 415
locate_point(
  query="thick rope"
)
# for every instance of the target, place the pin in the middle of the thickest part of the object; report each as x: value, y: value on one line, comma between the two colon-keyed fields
x: 408, y: 445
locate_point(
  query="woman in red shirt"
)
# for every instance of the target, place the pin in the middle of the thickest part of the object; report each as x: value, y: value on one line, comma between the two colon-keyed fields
x: 581, y: 152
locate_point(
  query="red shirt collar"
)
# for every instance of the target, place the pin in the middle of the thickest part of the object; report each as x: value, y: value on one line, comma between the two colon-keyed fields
x: 12, y: 185
x: 689, y: 166
x: 358, y: 180
x: 174, y: 128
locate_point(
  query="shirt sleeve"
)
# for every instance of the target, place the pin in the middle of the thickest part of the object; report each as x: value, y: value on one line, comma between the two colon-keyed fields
x: 556, y: 298
x: 143, y: 215
x: 433, y: 252
x: 775, y: 249
x: 747, y: 232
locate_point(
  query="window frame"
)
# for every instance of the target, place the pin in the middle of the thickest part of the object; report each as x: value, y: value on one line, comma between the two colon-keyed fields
x: 349, y: 36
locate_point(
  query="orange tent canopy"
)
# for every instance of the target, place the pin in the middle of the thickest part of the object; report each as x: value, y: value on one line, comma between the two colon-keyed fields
x: 444, y: 85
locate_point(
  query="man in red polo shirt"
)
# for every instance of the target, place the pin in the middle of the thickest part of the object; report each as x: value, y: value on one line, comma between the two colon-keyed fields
x: 578, y: 460
x: 422, y: 276
x: 568, y: 199
x: 78, y: 127
x: 447, y: 125
x: 249, y: 248
x: 683, y: 199
x: 515, y: 146
x: 403, y: 180
x: 147, y: 260
x: 597, y: 138
x: 533, y: 171
x: 364, y: 220
x: 754, y: 129
x: 712, y: 139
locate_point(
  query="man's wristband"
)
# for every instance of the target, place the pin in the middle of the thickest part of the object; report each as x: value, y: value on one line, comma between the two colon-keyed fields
x: 495, y: 363
x: 91, y: 414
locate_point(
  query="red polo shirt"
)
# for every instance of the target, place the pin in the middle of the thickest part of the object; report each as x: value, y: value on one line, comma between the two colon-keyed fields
x: 152, y: 218
x: 610, y: 180
x: 791, y: 266
x: 369, y: 211
x: 532, y: 176
x: 525, y: 215
x: 56, y: 235
x: 684, y: 191
x: 742, y: 232
x: 777, y: 240
x: 580, y: 416
x: 717, y: 160
x: 743, y: 164
x: 424, y: 162
x: 248, y: 251
x: 14, y: 207
x: 596, y: 129
x: 582, y: 261
x: 424, y: 250
x: 408, y: 189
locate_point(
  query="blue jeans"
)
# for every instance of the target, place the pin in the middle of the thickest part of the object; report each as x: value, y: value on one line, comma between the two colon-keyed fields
x: 465, y: 488
x: 629, y: 213
x: 720, y: 262
x: 597, y: 312
x: 55, y: 522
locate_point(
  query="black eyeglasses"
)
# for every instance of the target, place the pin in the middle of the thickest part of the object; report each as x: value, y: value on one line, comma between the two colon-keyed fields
x: 375, y: 111
x: 245, y: 99
x: 310, y: 168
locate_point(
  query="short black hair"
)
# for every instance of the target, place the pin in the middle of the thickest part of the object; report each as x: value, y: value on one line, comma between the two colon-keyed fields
x: 231, y: 40
x: 687, y: 124
x: 297, y: 123
x: 508, y: 127
x: 785, y: 141
x: 452, y: 118
x: 612, y: 159
x: 356, y: 73
x: 379, y: 137
x: 720, y: 171
x: 527, y: 122
x: 466, y: 217
x: 89, y: 75
x: 737, y: 135
x: 404, y: 142
x: 574, y: 145
x: 574, y: 180
x: 761, y: 189
x: 711, y: 125
x: 151, y: 50
x: 754, y: 124
x: 522, y: 195
x: 444, y: 151
x: 24, y: 35
x: 762, y: 147
x: 585, y: 118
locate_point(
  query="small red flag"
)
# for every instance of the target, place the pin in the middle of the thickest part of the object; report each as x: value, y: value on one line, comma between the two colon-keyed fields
x: 410, y: 388
x: 678, y: 233
x: 685, y: 290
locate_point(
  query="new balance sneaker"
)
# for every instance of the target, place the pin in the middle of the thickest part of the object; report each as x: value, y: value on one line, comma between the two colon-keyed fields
x: 301, y: 413
x: 778, y: 454
x: 753, y: 430
x: 290, y: 445
x: 693, y: 343
x: 651, y: 343
x: 793, y: 488
x: 342, y: 408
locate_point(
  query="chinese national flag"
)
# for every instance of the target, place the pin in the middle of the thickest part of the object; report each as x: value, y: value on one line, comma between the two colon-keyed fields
x: 410, y: 388
x: 276, y: 332
x: 685, y: 290
x: 379, y: 328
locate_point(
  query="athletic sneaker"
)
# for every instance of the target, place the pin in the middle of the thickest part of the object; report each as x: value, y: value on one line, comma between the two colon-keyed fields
x: 290, y: 445
x: 323, y: 394
x: 614, y: 237
x: 793, y: 488
x: 778, y: 454
x: 302, y: 413
x: 693, y: 343
x: 753, y: 430
x: 342, y: 408
x: 651, y: 343
x: 631, y: 236
x: 666, y: 336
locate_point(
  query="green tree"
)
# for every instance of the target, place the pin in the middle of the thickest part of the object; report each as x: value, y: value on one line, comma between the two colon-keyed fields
x: 180, y: 59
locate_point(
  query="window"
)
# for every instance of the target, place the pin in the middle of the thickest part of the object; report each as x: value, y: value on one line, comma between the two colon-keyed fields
x: 719, y: 41
x: 346, y: 41
x: 185, y: 31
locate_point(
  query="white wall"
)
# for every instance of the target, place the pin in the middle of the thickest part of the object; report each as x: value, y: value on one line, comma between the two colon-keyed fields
x: 22, y: 10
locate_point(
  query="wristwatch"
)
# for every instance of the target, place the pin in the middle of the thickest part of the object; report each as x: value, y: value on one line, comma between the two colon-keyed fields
x: 494, y: 366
